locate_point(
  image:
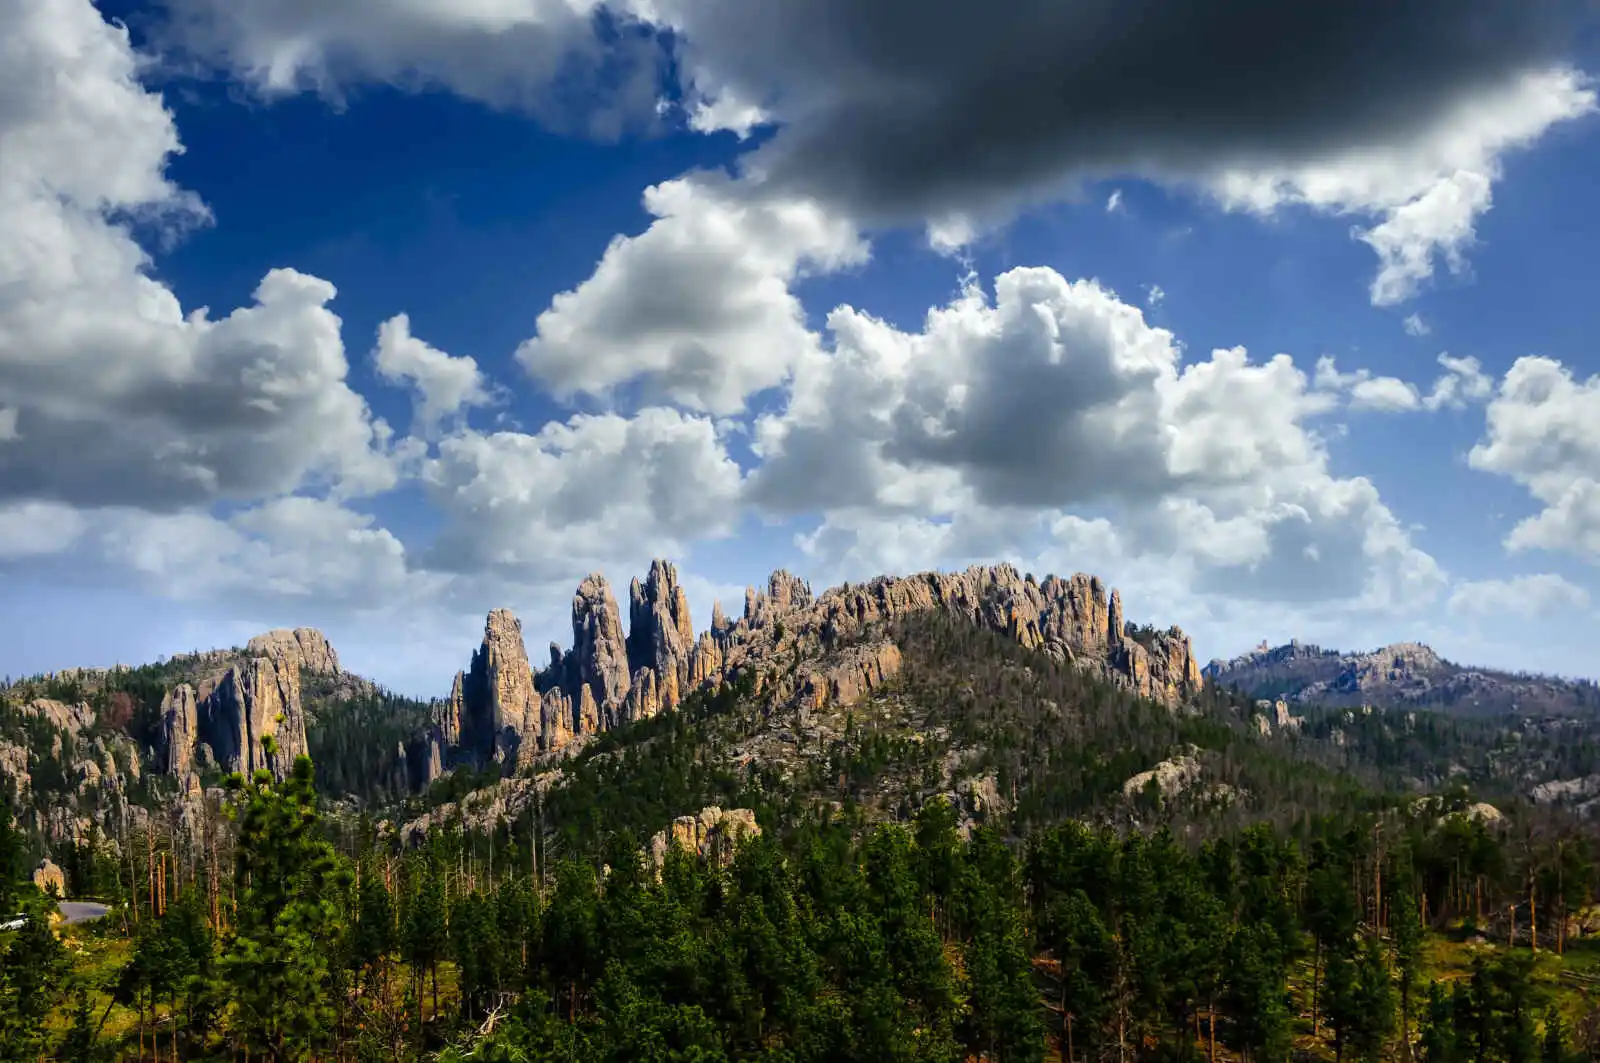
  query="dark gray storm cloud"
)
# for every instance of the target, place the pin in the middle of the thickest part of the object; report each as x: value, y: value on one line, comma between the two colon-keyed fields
x: 902, y: 109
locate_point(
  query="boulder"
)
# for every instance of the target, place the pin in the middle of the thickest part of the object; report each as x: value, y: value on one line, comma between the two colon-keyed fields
x: 49, y: 878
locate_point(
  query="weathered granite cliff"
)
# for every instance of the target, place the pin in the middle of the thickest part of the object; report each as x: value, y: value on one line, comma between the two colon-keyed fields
x: 306, y: 646
x: 235, y: 701
x: 493, y: 702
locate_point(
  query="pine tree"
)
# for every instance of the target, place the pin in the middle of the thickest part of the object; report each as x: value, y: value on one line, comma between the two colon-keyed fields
x: 427, y: 930
x: 1439, y: 1040
x: 1002, y: 1003
x: 33, y: 977
x: 277, y: 964
x: 13, y: 856
x: 1406, y: 925
x: 374, y: 936
x: 1554, y: 1048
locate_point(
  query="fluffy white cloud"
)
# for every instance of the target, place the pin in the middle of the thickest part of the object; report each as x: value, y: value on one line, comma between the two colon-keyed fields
x: 1539, y: 595
x: 1462, y: 381
x: 1415, y: 326
x: 445, y: 385
x: 114, y: 395
x: 314, y: 550
x: 1543, y: 431
x: 216, y: 460
x: 1058, y: 396
x: 593, y: 490
x: 1428, y: 190
x: 310, y: 554
x: 697, y: 309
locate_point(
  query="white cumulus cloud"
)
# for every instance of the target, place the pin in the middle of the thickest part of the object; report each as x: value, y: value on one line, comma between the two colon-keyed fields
x: 697, y: 309
x: 1543, y: 432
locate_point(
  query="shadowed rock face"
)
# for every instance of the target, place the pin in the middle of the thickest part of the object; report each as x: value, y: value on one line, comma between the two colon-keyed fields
x: 256, y: 699
x: 660, y: 636
x: 232, y: 710
x: 493, y: 706
x: 599, y: 658
x: 816, y: 649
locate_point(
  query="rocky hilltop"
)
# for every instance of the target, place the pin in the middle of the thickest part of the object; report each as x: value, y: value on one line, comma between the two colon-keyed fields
x: 222, y: 717
x: 796, y: 646
x: 74, y: 766
x: 1403, y: 673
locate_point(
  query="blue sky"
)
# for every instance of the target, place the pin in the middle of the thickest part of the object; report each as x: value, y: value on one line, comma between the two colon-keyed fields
x: 799, y: 349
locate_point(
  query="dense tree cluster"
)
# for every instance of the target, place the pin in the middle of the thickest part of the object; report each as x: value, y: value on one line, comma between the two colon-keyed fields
x: 817, y: 941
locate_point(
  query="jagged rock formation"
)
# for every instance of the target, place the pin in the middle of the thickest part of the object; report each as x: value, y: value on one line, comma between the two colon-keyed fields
x: 660, y: 638
x: 493, y: 707
x: 598, y: 663
x: 1069, y: 619
x: 222, y: 718
x: 256, y: 699
x: 1404, y: 673
x: 713, y: 833
x: 306, y: 646
x: 180, y: 730
x: 816, y: 651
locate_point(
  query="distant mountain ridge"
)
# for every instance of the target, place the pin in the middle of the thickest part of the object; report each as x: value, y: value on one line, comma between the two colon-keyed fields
x: 1402, y: 673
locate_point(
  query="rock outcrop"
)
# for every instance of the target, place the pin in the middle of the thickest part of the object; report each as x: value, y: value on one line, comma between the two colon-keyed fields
x: 849, y: 676
x: 256, y: 699
x: 180, y: 730
x: 70, y: 719
x: 306, y: 646
x: 1170, y: 778
x: 494, y: 710
x: 224, y: 717
x: 598, y: 663
x: 661, y: 636
x: 712, y: 834
x: 48, y: 877
x: 1070, y: 619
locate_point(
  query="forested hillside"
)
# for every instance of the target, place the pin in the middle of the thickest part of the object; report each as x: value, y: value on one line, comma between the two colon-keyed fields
x: 1428, y: 936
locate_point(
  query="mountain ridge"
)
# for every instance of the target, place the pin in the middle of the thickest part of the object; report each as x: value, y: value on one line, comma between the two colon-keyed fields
x: 609, y: 678
x: 1403, y: 673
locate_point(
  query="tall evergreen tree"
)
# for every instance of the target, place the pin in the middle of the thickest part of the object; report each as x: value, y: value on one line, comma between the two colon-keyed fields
x: 277, y: 963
